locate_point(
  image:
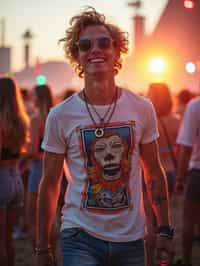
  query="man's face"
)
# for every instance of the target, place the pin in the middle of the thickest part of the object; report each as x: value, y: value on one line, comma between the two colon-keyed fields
x: 101, y: 56
x: 108, y: 153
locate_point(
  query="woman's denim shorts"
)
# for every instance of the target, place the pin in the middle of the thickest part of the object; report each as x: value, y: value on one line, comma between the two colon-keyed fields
x: 11, y: 187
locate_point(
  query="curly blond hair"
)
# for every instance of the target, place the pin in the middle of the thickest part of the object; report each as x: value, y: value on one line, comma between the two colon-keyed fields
x: 78, y: 23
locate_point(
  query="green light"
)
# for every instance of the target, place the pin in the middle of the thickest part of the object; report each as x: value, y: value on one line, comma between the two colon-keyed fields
x: 41, y: 80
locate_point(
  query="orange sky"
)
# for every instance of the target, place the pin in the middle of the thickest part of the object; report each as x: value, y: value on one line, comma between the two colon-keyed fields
x: 48, y: 19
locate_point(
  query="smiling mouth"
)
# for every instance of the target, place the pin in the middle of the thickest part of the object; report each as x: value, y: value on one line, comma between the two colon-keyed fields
x: 96, y: 61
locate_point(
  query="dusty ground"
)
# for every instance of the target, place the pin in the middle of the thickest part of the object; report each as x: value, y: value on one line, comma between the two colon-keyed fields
x: 25, y: 254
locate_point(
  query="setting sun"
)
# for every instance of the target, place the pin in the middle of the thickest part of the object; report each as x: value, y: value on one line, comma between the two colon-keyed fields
x: 157, y: 65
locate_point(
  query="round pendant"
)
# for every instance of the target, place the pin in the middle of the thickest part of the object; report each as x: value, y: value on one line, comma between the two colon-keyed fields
x: 99, y: 132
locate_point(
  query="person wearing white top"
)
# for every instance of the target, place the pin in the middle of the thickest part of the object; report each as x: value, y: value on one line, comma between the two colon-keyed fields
x: 188, y: 174
x: 102, y: 132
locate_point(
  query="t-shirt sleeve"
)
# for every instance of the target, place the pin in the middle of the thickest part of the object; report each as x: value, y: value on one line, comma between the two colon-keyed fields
x: 53, y: 140
x: 150, y: 132
x: 188, y: 130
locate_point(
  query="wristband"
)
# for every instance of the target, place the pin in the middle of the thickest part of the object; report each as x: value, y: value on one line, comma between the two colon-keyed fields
x: 166, y: 231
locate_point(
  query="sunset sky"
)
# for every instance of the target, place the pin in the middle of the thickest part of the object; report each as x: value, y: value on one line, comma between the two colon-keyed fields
x: 47, y: 19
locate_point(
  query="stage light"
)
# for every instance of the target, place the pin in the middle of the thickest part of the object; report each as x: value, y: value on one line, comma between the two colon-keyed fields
x: 189, y: 4
x: 190, y: 67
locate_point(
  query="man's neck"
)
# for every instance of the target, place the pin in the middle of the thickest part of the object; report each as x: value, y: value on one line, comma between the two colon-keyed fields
x: 100, y: 92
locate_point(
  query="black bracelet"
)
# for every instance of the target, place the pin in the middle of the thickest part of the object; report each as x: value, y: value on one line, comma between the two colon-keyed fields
x: 45, y: 250
x: 166, y: 231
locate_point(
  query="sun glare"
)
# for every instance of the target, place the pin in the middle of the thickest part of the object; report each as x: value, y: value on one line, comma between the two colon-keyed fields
x: 157, y: 65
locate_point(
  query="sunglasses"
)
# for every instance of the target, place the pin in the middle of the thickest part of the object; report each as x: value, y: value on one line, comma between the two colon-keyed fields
x: 85, y: 45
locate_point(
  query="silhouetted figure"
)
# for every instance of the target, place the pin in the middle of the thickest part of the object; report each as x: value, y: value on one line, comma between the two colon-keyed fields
x: 43, y: 101
x: 188, y: 174
x: 183, y: 98
x: 14, y: 139
x: 68, y: 92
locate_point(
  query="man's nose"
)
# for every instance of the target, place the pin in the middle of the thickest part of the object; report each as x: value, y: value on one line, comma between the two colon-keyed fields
x: 95, y: 46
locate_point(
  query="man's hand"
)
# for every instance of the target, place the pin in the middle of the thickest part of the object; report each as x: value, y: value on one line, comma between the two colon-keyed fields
x: 164, y: 249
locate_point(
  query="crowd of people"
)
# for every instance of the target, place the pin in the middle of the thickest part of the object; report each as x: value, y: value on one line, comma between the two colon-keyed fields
x: 103, y: 161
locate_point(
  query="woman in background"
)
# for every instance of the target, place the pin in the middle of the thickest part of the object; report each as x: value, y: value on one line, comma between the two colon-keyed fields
x: 168, y: 125
x: 43, y: 101
x: 14, y: 140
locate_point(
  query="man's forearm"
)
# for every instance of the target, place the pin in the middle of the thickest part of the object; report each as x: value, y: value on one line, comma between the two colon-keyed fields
x: 158, y: 193
x: 48, y: 195
x: 183, y: 162
x: 156, y: 182
x: 47, y: 205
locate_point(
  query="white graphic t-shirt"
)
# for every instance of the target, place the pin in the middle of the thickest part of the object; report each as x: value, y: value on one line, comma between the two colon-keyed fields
x: 104, y: 192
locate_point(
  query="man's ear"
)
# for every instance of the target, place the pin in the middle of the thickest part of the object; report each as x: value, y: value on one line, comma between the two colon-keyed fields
x: 117, y: 57
x: 117, y: 54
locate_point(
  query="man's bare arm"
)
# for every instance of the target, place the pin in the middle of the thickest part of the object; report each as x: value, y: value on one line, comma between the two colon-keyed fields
x: 48, y: 196
x: 184, y: 154
x: 156, y: 183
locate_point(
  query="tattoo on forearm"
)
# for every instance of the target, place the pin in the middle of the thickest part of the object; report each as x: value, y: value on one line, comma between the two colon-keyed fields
x: 157, y: 192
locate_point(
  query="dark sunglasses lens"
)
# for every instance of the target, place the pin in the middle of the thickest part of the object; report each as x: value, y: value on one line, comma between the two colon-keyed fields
x: 104, y: 43
x: 84, y: 45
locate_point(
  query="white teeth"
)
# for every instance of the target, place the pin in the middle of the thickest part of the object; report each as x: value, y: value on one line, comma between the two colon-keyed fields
x: 97, y: 60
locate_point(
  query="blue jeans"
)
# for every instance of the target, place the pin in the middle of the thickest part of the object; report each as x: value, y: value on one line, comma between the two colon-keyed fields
x: 80, y: 248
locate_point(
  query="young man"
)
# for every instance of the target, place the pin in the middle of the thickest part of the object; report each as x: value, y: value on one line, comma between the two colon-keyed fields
x: 102, y: 133
x: 189, y: 173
